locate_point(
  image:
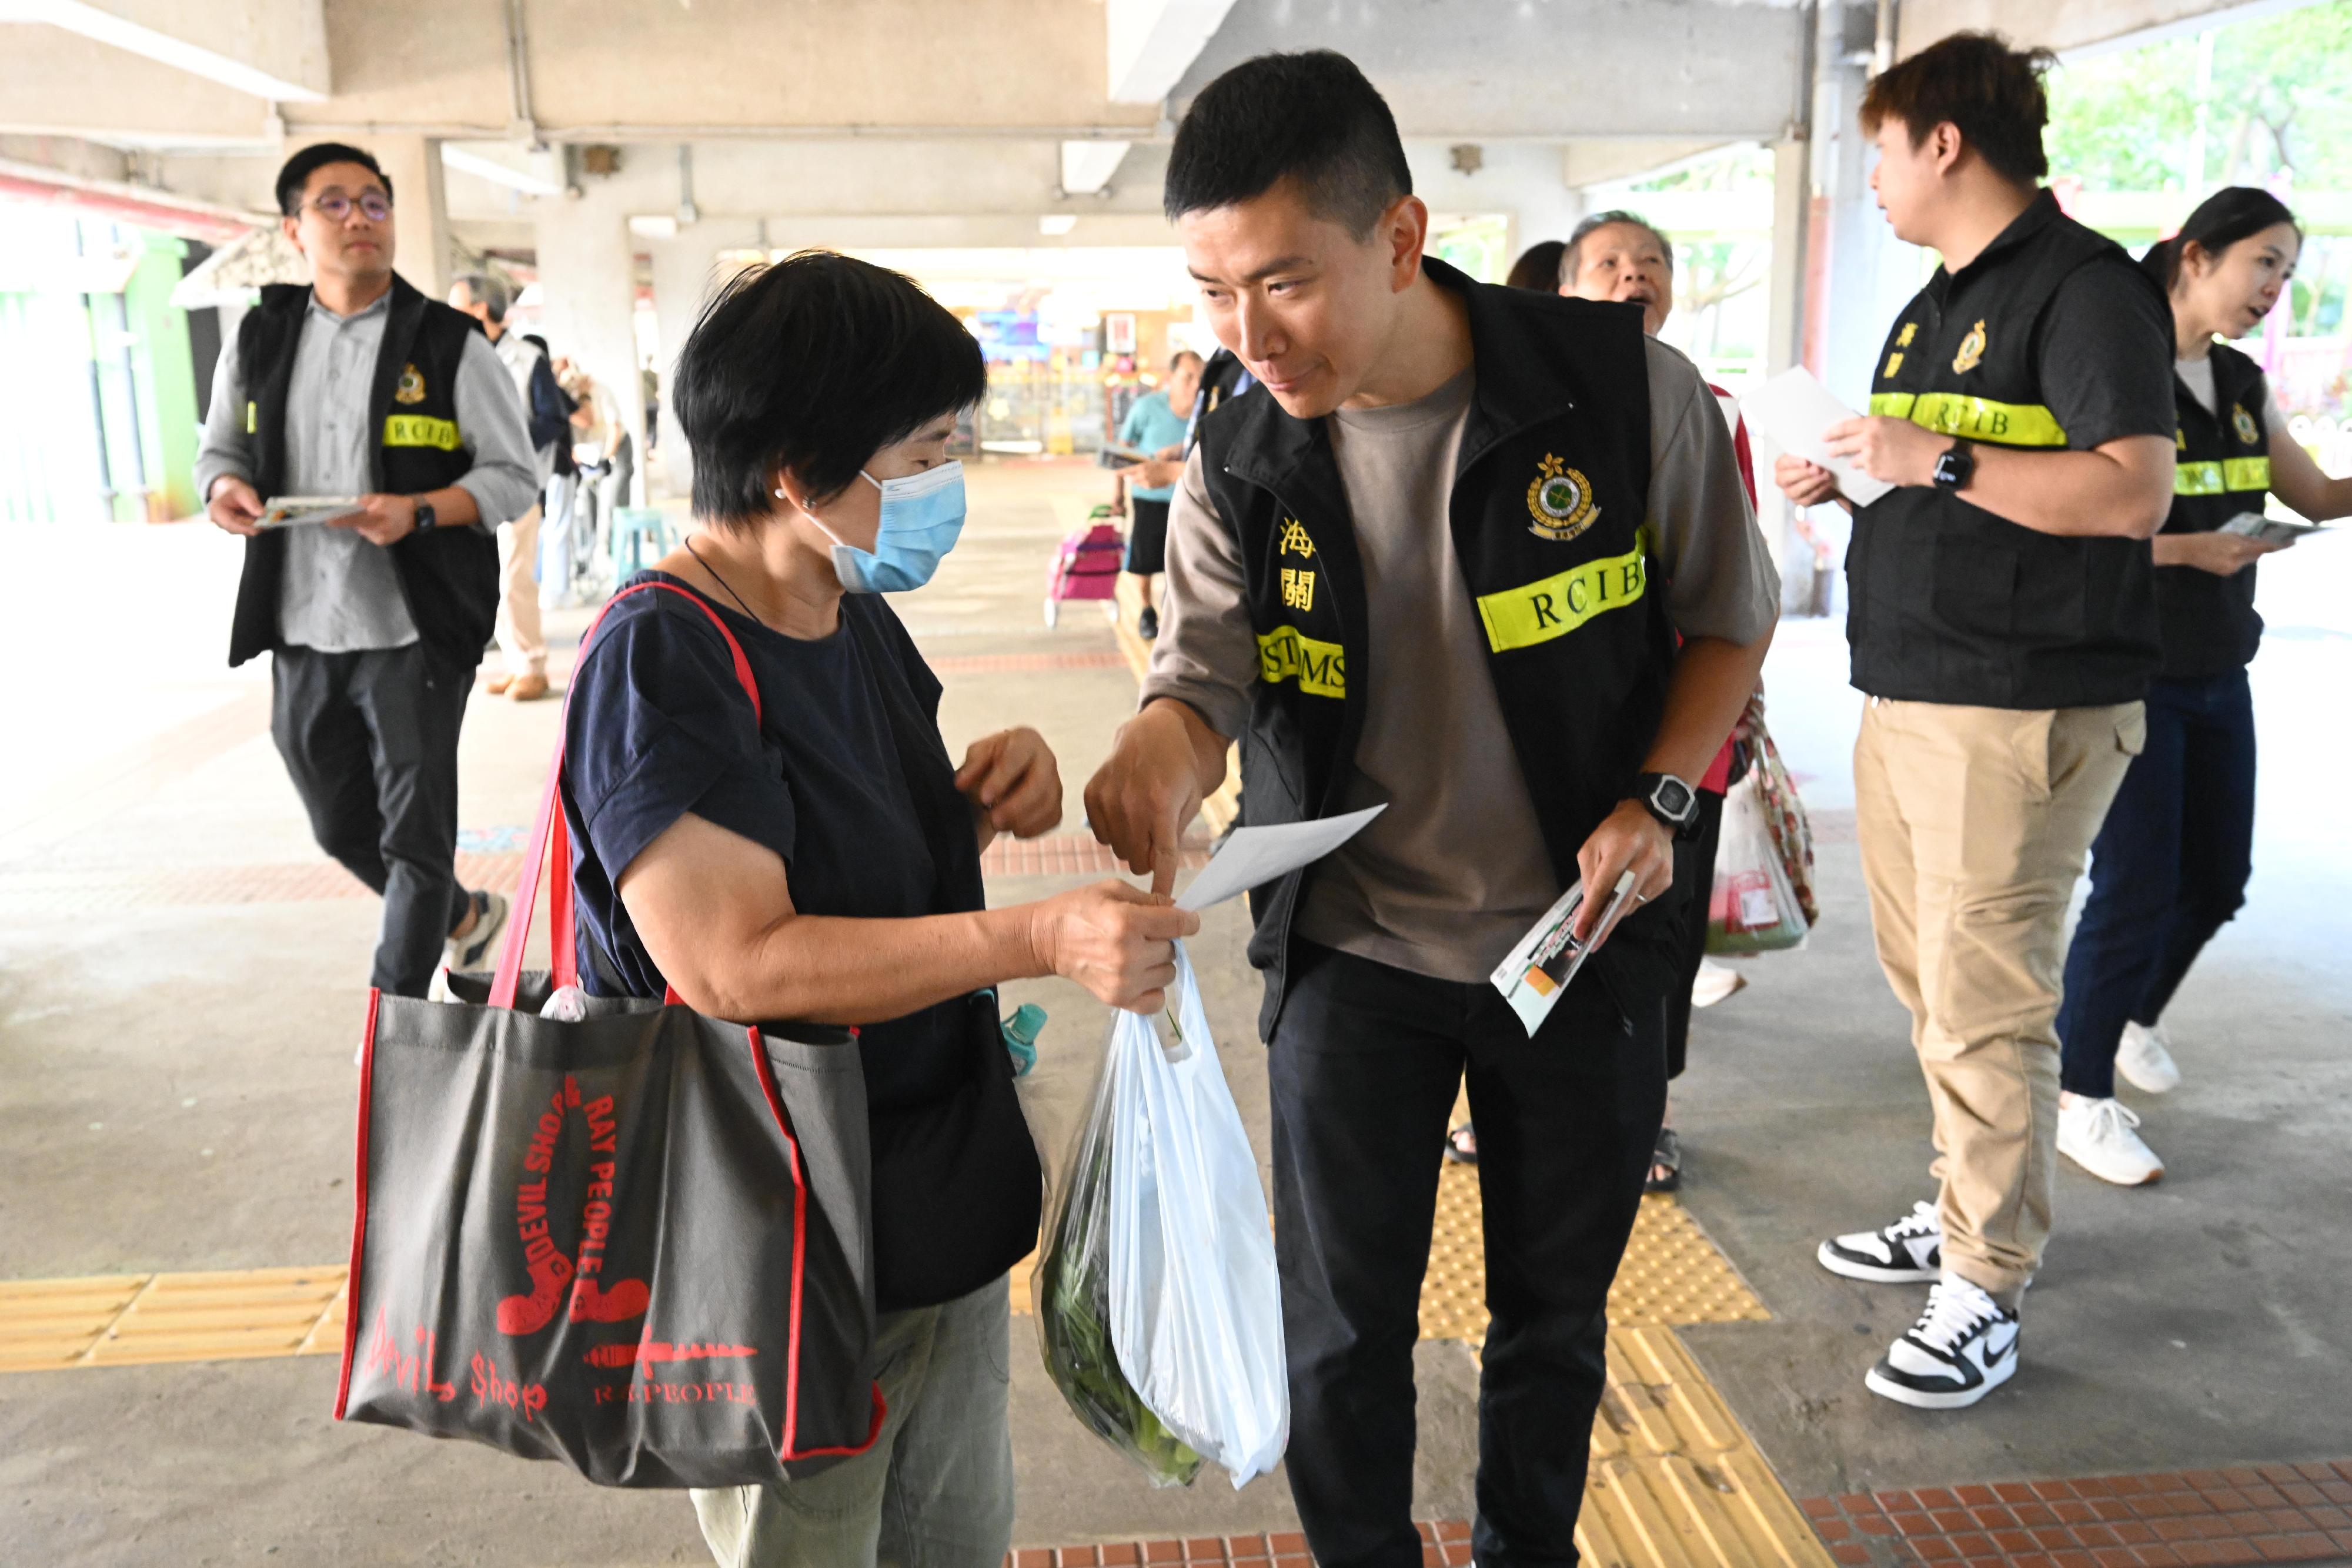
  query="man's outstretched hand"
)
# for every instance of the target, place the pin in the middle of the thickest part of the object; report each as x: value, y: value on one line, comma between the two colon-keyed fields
x: 1163, y: 763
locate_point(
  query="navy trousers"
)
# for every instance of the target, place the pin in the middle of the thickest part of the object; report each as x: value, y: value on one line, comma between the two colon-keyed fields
x: 2167, y: 870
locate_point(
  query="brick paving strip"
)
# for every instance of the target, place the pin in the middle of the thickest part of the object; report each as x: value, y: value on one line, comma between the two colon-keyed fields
x: 2262, y: 1513
x: 1445, y: 1544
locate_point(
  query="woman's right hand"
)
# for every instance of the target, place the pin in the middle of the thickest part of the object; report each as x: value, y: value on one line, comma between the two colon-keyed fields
x: 1115, y: 940
x: 1806, y: 484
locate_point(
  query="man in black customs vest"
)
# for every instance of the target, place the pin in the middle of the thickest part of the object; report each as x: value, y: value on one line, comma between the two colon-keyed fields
x: 1437, y: 558
x: 358, y: 386
x: 2004, y: 627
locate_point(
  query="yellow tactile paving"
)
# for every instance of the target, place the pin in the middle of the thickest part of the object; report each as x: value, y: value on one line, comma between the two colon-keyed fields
x: 125, y: 1320
x: 1672, y: 1272
x: 1676, y: 1483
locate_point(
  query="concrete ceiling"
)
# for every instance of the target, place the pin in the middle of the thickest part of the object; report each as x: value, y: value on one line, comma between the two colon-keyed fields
x: 901, y: 112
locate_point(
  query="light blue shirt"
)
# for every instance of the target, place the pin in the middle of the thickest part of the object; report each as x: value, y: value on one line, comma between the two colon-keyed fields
x: 1150, y: 425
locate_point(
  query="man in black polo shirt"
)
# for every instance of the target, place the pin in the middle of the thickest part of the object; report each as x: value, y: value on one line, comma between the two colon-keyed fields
x: 1438, y: 560
x: 2003, y: 623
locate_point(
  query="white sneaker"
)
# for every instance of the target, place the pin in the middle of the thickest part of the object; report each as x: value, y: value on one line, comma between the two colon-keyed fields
x: 2144, y: 1061
x: 1714, y: 982
x: 2097, y: 1135
x: 1909, y: 1250
x: 1962, y: 1348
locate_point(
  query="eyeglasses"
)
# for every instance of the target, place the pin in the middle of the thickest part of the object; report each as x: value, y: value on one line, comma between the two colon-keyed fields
x: 373, y: 205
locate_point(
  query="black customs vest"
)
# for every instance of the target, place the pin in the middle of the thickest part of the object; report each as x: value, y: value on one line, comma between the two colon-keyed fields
x: 2223, y: 467
x: 450, y: 575
x: 1947, y: 602
x: 1548, y: 517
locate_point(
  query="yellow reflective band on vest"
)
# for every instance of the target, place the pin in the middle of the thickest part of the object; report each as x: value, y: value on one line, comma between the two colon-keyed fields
x: 2212, y: 478
x: 1555, y: 606
x: 421, y: 430
x: 1285, y: 653
x: 1978, y: 418
x: 2197, y: 479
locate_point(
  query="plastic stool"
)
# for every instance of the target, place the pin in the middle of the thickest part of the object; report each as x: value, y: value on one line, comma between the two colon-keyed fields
x: 641, y: 536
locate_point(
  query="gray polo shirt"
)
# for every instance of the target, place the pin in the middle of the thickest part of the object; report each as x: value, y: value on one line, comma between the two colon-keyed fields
x: 1456, y: 869
x: 342, y: 594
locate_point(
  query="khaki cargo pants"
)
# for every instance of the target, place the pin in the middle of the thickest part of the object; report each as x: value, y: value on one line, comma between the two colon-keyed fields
x: 1975, y: 823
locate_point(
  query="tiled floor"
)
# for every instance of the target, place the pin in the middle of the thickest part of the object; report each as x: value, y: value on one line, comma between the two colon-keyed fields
x: 2268, y: 1513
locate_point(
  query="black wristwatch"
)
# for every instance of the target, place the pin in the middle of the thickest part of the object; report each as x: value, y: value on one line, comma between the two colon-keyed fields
x: 1955, y: 467
x: 1668, y: 798
x: 427, y: 519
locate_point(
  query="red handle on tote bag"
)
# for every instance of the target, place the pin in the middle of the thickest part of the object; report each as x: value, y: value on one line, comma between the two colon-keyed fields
x: 551, y: 831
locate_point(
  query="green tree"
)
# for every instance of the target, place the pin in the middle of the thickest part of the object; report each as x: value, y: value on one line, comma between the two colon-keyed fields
x: 2279, y: 104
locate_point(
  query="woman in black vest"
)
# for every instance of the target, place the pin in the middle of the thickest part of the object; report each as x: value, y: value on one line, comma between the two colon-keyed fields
x: 816, y: 857
x: 2171, y: 863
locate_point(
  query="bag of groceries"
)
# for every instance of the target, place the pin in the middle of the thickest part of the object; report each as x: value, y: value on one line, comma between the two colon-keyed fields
x: 1755, y: 908
x: 1158, y: 1306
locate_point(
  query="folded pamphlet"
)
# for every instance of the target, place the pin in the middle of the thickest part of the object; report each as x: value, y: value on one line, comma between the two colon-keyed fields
x: 1539, y: 968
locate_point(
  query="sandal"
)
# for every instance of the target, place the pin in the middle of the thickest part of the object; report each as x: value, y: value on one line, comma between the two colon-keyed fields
x: 1666, y: 1163
x: 1462, y: 1146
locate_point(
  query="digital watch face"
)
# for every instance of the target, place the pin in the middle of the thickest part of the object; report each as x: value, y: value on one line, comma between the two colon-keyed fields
x: 1673, y: 798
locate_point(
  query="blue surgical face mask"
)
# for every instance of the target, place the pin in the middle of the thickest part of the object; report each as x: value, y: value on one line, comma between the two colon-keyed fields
x: 922, y: 514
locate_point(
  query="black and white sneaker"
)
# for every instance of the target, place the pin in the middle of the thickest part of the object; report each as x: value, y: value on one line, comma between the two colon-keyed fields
x: 1909, y: 1251
x: 1962, y: 1348
x: 477, y: 949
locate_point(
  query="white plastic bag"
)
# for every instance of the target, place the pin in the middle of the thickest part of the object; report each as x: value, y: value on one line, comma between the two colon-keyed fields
x: 1755, y: 908
x: 1195, y: 1306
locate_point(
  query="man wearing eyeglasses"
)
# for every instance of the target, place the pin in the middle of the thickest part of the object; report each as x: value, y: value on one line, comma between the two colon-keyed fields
x: 358, y: 389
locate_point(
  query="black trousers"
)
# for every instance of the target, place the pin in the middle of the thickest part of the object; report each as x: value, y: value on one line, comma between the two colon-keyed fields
x: 370, y: 742
x: 1698, y: 869
x: 1363, y: 1067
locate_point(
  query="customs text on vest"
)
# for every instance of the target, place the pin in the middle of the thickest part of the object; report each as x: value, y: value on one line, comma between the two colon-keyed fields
x: 449, y: 575
x: 1947, y: 602
x: 1548, y: 518
x: 2223, y: 468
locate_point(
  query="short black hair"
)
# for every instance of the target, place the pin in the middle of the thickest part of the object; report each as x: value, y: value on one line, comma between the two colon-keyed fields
x: 294, y: 174
x: 1537, y: 267
x: 1991, y: 92
x: 1571, y: 255
x: 814, y: 364
x: 1310, y: 117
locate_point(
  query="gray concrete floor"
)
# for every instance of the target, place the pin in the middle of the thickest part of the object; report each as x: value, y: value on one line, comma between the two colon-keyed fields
x: 176, y: 1092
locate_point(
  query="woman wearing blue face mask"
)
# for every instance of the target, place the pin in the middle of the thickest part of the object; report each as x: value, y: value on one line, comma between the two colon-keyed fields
x: 819, y: 860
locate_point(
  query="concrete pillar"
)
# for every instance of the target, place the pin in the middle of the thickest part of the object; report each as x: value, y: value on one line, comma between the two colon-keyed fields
x: 587, y: 278
x: 1792, y: 205
x: 1792, y: 547
x: 685, y: 272
x: 421, y: 197
x: 1847, y: 232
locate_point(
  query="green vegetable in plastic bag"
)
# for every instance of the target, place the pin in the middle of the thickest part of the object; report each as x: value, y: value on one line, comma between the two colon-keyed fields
x: 1071, y: 1288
